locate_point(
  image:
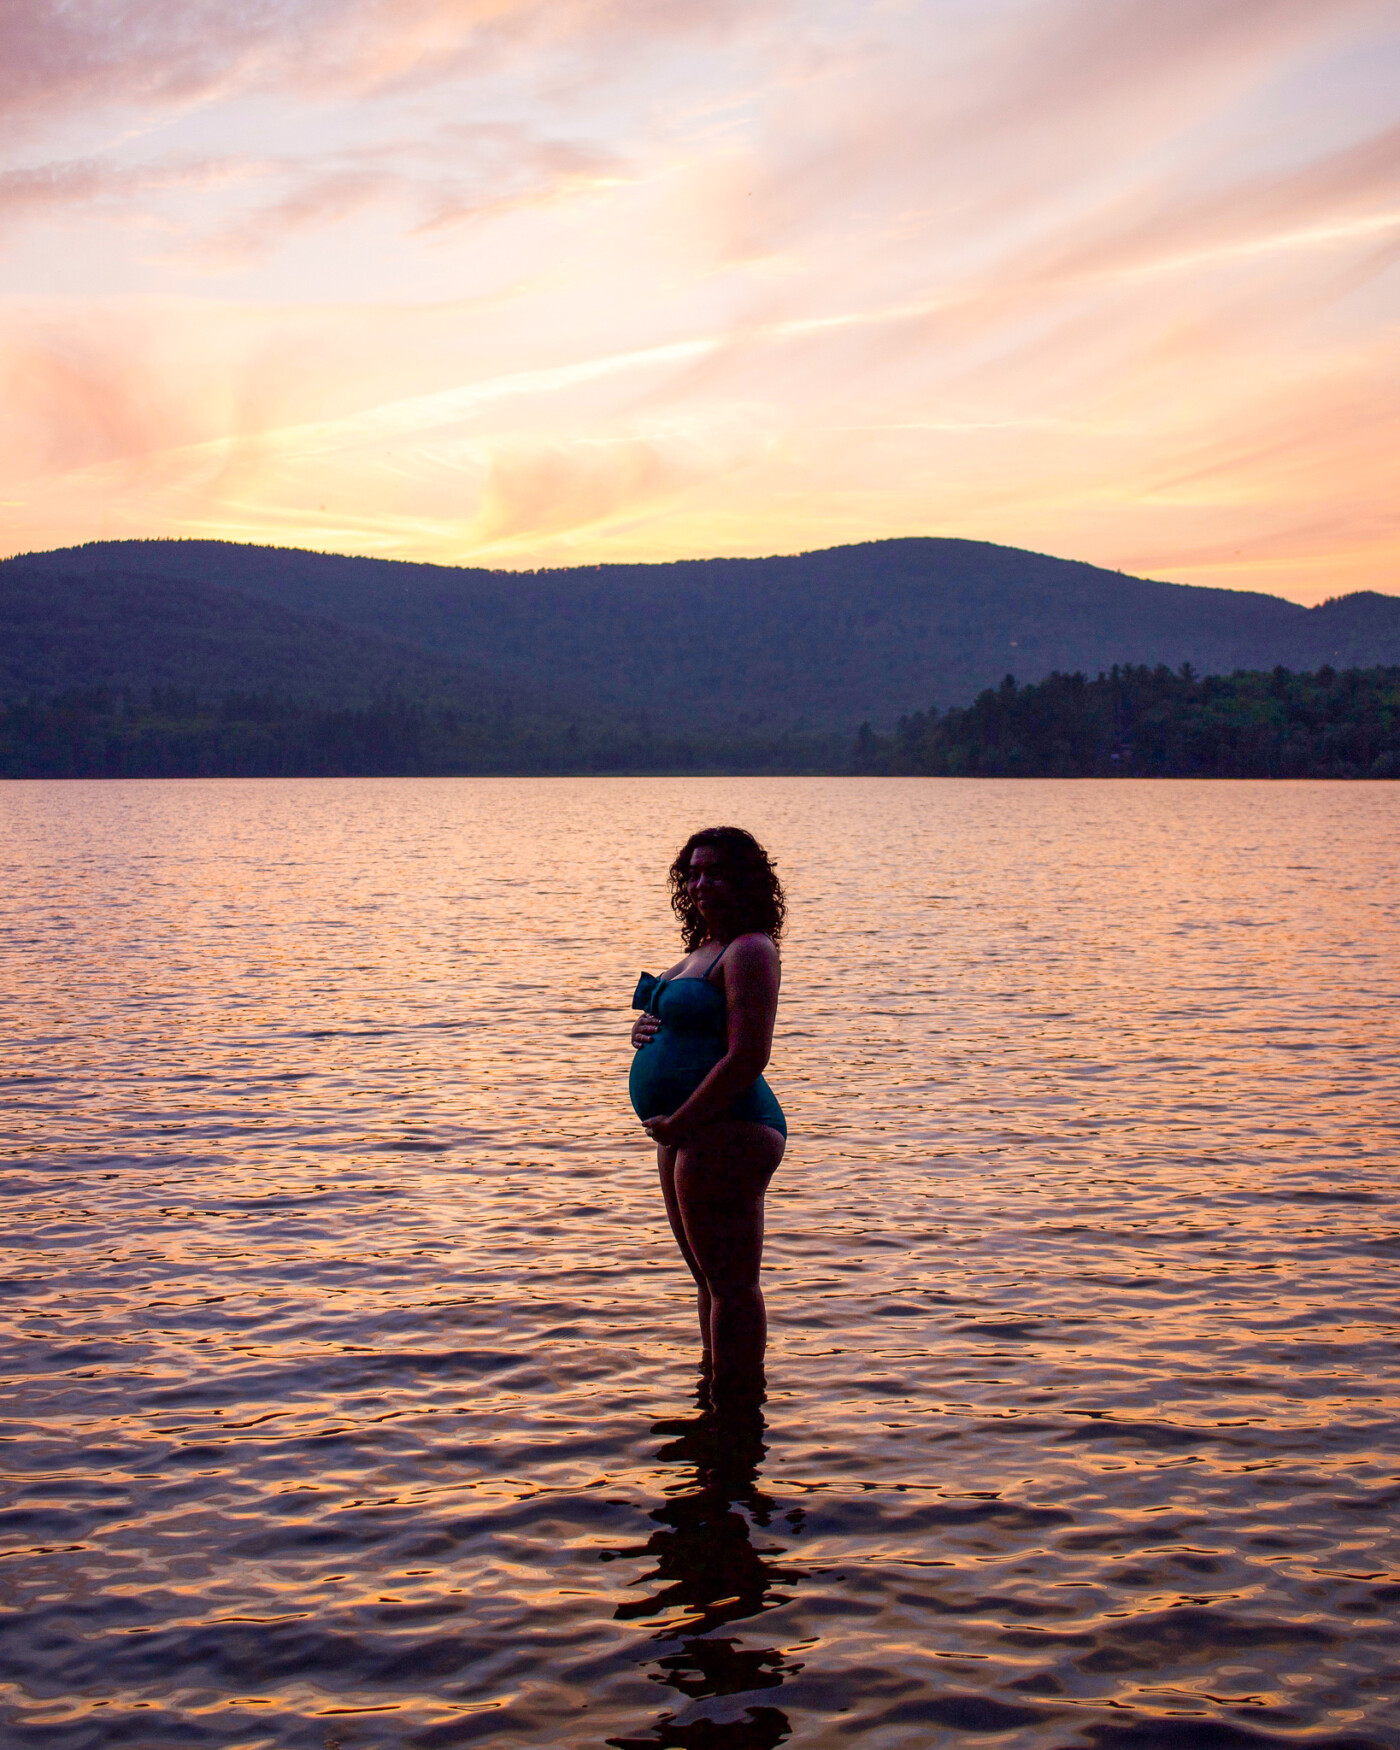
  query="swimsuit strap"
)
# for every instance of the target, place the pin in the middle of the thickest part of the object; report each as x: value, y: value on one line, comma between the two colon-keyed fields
x: 705, y: 975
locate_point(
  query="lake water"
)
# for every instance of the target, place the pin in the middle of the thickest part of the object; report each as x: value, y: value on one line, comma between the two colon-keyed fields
x: 350, y: 1368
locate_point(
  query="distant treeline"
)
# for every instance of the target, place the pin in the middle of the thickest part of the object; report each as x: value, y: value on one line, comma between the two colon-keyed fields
x: 168, y: 732
x: 1130, y: 722
x: 1157, y: 723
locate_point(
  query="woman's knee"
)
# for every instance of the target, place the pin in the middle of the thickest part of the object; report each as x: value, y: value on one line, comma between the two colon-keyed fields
x: 729, y: 1251
x: 730, y: 1290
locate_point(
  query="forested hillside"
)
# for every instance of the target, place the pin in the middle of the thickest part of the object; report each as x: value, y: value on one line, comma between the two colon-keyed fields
x: 1153, y: 723
x: 818, y: 641
x: 184, y: 658
x: 114, y: 629
x: 168, y: 732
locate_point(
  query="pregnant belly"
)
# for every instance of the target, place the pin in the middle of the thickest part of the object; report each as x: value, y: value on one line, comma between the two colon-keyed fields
x: 667, y: 1072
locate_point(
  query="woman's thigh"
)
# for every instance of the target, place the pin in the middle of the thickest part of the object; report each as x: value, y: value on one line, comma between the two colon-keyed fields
x: 666, y: 1163
x: 720, y: 1176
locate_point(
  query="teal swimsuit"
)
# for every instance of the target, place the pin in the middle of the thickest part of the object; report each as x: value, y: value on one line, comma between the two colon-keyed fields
x: 668, y: 1069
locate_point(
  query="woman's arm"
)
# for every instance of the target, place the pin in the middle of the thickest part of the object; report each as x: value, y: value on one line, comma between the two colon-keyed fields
x: 751, y: 977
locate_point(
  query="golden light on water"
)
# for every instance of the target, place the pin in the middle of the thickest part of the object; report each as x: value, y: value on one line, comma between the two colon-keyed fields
x: 356, y: 1360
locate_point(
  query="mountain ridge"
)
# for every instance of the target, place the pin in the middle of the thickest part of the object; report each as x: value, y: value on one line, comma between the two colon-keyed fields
x: 818, y: 641
x: 128, y: 630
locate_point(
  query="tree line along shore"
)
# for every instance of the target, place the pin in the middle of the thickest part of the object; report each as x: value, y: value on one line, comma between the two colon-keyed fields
x: 1157, y: 723
x: 1131, y: 721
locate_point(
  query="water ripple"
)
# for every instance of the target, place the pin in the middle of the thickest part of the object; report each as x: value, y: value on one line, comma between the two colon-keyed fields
x: 349, y: 1369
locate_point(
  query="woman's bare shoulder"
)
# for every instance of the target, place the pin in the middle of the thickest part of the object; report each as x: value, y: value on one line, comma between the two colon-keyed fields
x: 754, y: 949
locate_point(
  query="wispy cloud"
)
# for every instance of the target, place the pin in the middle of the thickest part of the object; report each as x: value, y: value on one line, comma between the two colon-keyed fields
x: 462, y: 172
x: 44, y: 190
x: 66, y: 54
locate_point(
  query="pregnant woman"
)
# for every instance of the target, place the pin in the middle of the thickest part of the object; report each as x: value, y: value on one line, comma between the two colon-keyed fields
x: 702, y: 1042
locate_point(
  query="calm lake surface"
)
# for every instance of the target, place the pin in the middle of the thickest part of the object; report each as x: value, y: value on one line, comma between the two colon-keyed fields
x: 350, y: 1368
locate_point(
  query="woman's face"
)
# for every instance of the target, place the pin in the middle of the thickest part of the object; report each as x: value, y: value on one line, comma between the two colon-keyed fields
x: 708, y: 884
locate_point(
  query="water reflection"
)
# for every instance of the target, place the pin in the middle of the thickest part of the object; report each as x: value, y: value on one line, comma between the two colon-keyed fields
x: 343, y: 1301
x: 714, y: 1565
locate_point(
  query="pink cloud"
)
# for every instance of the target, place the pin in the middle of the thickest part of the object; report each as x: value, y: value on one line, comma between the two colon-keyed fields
x: 1019, y: 120
x: 543, y: 490
x: 80, y: 401
x: 1359, y: 181
x: 60, y: 54
x: 41, y: 190
x: 1118, y: 57
x: 456, y: 172
x: 65, y: 54
x: 45, y: 187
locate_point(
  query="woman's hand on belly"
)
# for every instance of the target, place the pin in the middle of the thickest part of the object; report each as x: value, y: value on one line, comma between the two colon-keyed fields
x: 644, y: 1030
x: 663, y: 1131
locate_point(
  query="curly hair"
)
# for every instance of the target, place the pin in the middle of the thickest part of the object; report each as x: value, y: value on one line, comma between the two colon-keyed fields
x: 749, y: 869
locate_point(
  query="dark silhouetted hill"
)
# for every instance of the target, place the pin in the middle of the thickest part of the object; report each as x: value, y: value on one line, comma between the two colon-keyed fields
x: 60, y: 630
x: 118, y: 674
x: 819, y: 641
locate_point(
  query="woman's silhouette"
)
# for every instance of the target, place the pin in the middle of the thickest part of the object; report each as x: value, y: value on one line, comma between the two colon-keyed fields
x: 702, y: 1043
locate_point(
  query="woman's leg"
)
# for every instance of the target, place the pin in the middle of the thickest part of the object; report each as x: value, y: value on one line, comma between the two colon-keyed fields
x: 666, y: 1161
x: 720, y: 1175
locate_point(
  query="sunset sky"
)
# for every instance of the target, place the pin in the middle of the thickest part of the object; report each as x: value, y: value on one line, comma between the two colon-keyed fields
x: 528, y: 282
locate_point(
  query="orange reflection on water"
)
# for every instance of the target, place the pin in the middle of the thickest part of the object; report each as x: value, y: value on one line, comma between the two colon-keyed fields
x: 348, y: 1335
